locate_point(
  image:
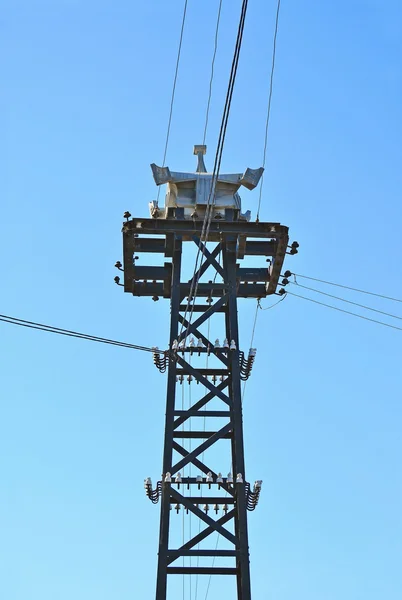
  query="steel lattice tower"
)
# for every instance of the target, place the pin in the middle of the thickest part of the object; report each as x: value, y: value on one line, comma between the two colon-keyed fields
x: 179, y: 223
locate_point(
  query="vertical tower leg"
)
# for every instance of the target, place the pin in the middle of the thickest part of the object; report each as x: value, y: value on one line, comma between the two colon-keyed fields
x: 161, y: 584
x: 232, y: 333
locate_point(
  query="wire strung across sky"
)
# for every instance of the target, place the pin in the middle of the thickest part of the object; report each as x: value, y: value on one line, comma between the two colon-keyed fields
x: 271, y: 87
x: 347, y: 287
x: 174, y: 88
x: 212, y: 72
x: 382, y: 312
x: 70, y: 333
x: 215, y: 173
x: 348, y: 312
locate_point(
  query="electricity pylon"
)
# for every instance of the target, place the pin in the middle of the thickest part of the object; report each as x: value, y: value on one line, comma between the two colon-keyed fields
x: 220, y: 503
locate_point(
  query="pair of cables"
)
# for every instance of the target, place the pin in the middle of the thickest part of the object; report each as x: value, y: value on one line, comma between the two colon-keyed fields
x: 295, y: 283
x: 71, y: 333
x: 216, y: 169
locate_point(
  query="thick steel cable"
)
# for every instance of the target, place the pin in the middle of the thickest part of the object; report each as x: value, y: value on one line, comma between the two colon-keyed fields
x: 348, y: 312
x: 347, y: 287
x: 381, y: 312
x: 218, y: 158
x: 212, y: 71
x: 70, y: 333
x: 173, y: 90
x: 271, y: 86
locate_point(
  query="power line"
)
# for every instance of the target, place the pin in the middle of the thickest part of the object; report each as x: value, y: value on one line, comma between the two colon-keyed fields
x: 174, y: 88
x: 348, y: 301
x: 212, y: 71
x: 346, y: 287
x: 217, y: 163
x: 70, y: 333
x: 258, y: 307
x: 243, y: 394
x: 345, y: 311
x: 272, y: 305
x: 271, y: 86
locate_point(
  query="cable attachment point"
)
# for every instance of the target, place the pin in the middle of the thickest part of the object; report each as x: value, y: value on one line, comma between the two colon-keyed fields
x: 246, y: 364
x: 155, y: 494
x: 160, y: 359
x: 293, y: 248
x: 252, y: 497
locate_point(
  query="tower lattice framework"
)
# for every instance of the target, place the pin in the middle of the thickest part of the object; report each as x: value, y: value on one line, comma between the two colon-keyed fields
x: 191, y: 478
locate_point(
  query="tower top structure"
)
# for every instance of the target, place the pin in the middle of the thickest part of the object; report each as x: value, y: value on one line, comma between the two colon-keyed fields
x: 194, y: 192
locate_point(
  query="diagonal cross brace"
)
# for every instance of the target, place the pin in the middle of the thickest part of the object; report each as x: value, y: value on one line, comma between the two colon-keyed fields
x: 209, y: 260
x: 203, y: 516
x: 201, y: 448
x: 203, y: 468
x: 204, y: 380
x: 203, y: 534
x: 191, y: 327
x: 206, y: 532
x: 222, y: 357
x: 202, y: 402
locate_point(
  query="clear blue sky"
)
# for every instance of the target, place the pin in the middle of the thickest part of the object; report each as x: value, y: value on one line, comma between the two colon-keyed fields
x: 84, y: 102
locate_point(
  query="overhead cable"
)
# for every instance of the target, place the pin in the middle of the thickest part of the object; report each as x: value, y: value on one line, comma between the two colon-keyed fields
x: 271, y: 87
x: 344, y: 300
x: 347, y: 287
x: 345, y: 311
x: 174, y: 87
x: 212, y: 71
x: 217, y: 163
x: 272, y: 305
x: 70, y: 333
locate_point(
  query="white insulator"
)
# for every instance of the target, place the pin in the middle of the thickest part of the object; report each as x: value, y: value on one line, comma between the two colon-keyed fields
x: 217, y: 344
x: 229, y: 478
x: 219, y: 479
x: 200, y: 344
x: 182, y: 345
x: 190, y: 378
x: 174, y: 345
x: 206, y: 508
x: 178, y: 478
x: 192, y: 343
x: 233, y: 345
x: 199, y: 479
x: 252, y: 351
x: 147, y: 482
x: 226, y: 344
x: 258, y: 484
x: 216, y: 508
x: 222, y: 378
x: 168, y: 477
x: 209, y: 477
x: 239, y: 478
